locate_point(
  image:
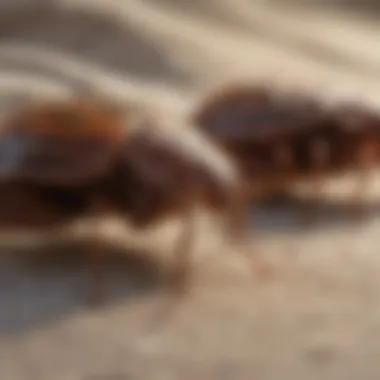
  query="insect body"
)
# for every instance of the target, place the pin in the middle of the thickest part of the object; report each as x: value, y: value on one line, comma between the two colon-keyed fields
x: 280, y: 140
x: 63, y: 160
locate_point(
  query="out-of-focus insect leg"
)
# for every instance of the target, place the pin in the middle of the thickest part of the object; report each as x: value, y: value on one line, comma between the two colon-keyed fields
x: 182, y: 254
x: 181, y: 272
x: 96, y: 263
x: 239, y: 230
x: 319, y: 156
x: 283, y: 158
x: 283, y: 164
x: 238, y: 214
x: 365, y: 162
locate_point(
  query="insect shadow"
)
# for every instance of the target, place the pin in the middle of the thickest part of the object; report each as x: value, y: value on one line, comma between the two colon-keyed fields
x: 45, y: 283
x: 283, y: 214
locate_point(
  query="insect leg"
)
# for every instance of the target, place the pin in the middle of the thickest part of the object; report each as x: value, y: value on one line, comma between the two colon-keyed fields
x: 96, y: 263
x: 182, y: 253
x: 181, y: 272
x: 239, y: 230
x: 283, y: 164
x: 319, y: 156
x: 366, y: 158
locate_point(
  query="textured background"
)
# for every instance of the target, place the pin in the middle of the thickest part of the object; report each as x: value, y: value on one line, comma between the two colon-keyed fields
x: 317, y: 319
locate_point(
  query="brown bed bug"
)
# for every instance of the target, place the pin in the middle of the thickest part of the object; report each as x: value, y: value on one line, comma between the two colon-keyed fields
x: 279, y: 139
x: 67, y: 159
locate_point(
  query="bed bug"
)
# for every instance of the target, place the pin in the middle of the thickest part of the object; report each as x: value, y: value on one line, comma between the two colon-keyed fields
x: 67, y: 159
x: 278, y: 139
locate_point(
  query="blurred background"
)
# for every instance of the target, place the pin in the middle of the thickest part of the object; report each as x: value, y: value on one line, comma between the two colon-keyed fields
x: 318, y: 317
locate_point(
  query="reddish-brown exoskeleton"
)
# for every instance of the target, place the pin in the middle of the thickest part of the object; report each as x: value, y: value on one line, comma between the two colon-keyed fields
x: 61, y: 160
x: 278, y: 140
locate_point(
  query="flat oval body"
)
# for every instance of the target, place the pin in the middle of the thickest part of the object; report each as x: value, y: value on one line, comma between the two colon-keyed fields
x: 240, y: 114
x: 258, y: 126
x: 62, y: 143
